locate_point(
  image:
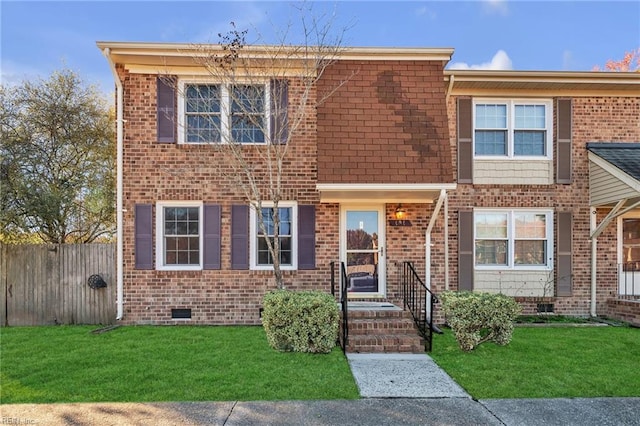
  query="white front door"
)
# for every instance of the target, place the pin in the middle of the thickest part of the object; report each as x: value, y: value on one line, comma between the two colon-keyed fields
x: 362, y: 249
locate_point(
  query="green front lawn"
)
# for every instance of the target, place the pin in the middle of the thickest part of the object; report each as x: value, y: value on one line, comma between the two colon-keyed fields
x: 70, y: 364
x: 185, y: 363
x: 547, y: 362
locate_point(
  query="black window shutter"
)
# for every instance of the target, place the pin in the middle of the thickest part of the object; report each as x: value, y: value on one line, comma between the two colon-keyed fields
x: 279, y: 118
x: 563, y: 141
x: 465, y: 250
x: 211, y: 236
x: 143, y: 240
x: 307, y: 237
x: 239, y: 237
x: 564, y: 266
x: 465, y: 140
x: 166, y: 102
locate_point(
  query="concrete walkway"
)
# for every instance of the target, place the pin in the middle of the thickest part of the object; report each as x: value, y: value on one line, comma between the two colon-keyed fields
x: 402, y: 376
x: 396, y: 390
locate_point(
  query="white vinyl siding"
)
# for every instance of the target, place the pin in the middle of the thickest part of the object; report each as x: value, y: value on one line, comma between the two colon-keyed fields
x: 515, y: 283
x: 605, y: 188
x: 512, y: 172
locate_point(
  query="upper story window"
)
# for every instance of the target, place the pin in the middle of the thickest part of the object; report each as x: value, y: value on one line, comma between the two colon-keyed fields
x: 511, y: 129
x: 248, y: 113
x: 223, y: 113
x: 513, y: 239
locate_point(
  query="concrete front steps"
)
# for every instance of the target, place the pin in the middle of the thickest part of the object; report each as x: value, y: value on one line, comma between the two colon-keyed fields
x: 382, y: 330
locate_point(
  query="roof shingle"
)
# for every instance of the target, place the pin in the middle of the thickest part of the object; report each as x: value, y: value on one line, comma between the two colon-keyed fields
x: 625, y: 156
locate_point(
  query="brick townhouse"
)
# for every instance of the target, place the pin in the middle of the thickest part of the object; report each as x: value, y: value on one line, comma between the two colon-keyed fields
x: 525, y: 183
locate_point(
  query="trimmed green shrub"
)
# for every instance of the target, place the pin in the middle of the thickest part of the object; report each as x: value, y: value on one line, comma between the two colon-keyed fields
x: 476, y: 318
x: 301, y: 321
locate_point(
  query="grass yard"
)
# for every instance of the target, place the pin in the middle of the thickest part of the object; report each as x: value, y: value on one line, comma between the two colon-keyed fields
x: 146, y: 363
x: 547, y: 362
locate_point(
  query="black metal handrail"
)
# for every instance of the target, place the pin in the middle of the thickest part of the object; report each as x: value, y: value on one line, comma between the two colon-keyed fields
x: 416, y: 297
x: 629, y: 280
x: 333, y: 278
x: 343, y: 301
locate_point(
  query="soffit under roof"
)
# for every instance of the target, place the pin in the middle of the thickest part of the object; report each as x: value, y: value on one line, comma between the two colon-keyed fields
x: 377, y: 193
x: 184, y: 54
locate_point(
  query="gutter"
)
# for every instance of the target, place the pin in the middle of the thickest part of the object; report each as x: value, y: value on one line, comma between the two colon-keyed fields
x: 119, y: 211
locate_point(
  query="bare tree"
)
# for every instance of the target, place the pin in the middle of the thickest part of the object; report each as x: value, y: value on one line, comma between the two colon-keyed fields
x: 256, y: 100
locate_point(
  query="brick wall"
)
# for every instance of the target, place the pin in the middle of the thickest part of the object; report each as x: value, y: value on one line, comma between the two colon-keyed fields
x: 387, y: 124
x: 155, y: 171
x: 392, y: 119
x: 624, y: 310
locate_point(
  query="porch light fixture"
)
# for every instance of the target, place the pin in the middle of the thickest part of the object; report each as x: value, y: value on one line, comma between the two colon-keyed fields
x: 400, y: 212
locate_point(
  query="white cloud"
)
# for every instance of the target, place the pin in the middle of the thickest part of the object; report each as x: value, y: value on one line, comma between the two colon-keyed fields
x: 426, y: 12
x: 567, y: 60
x: 13, y: 73
x: 500, y: 61
x: 495, y: 7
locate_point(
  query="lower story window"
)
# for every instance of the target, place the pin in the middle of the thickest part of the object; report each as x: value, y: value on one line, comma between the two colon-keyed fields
x: 261, y: 257
x: 513, y: 238
x: 179, y: 234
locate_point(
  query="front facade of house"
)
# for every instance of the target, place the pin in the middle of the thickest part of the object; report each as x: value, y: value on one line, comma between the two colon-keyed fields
x: 490, y: 181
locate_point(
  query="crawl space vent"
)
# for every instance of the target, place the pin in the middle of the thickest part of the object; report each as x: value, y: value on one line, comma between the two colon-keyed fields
x: 181, y: 314
x: 545, y: 308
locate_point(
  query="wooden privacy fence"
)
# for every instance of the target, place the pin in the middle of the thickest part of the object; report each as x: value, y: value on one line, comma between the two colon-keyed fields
x: 47, y: 284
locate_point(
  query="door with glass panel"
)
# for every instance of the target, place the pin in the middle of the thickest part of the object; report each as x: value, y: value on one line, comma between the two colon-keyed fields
x: 363, y: 249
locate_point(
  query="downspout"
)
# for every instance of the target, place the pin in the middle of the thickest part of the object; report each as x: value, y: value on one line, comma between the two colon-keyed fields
x: 449, y: 87
x: 446, y: 242
x: 427, y: 240
x: 119, y: 220
x: 427, y: 235
x: 594, y: 251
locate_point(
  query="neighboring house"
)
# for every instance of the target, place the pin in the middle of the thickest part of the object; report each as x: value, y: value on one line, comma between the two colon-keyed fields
x: 546, y: 161
x: 484, y: 180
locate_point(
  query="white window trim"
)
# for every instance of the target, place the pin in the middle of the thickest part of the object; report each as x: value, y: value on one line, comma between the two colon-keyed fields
x: 253, y: 236
x: 225, y: 110
x: 511, y: 265
x: 511, y: 103
x: 160, y: 205
x: 630, y: 215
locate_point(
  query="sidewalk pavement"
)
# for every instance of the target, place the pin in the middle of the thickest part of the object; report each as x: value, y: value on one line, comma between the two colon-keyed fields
x: 367, y: 411
x: 395, y: 389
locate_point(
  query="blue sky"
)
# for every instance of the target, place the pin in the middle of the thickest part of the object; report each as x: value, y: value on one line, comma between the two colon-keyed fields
x: 39, y: 37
